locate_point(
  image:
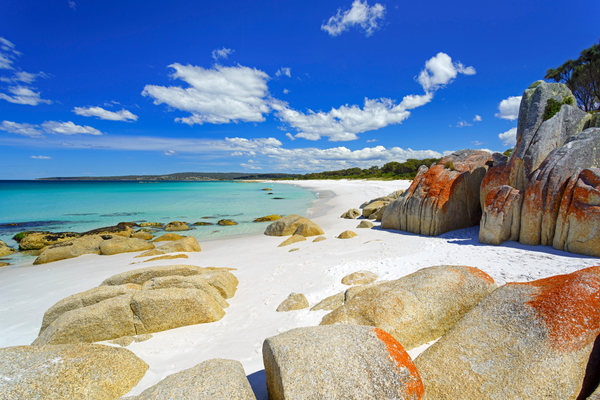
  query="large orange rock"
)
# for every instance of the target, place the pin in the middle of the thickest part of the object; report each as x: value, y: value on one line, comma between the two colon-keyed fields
x: 528, y: 340
x: 442, y: 198
x: 501, y: 221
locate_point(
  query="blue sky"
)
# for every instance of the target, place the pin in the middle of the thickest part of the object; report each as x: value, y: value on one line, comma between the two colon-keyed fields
x: 151, y: 87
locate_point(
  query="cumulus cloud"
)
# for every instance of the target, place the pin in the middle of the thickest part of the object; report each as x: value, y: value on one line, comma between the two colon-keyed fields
x: 509, y: 108
x: 477, y: 143
x: 462, y: 123
x: 477, y: 118
x: 221, y: 53
x: 23, y: 95
x: 41, y: 157
x: 285, y: 91
x: 509, y: 138
x: 361, y: 14
x: 218, y: 96
x: 344, y: 123
x: 440, y: 71
x: 289, y: 135
x: 21, y: 129
x: 284, y: 71
x: 101, y: 113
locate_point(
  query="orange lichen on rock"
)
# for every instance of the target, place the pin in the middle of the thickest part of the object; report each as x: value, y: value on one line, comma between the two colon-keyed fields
x: 414, y: 385
x: 569, y: 305
x: 480, y: 274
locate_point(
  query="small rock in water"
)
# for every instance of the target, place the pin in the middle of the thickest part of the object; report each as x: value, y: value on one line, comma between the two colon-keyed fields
x: 226, y: 222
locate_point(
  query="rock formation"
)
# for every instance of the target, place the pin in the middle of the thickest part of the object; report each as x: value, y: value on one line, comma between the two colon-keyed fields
x: 347, y: 235
x: 419, y: 307
x: 5, y: 250
x: 39, y: 240
x: 177, y: 226
x: 295, y: 301
x: 308, y: 229
x: 352, y: 213
x: 339, y: 362
x: 185, y: 244
x: 215, y: 379
x: 268, y: 218
x: 524, y: 341
x: 529, y: 197
x: 360, y: 278
x: 292, y: 239
x: 442, y: 198
x: 78, y: 371
x: 288, y: 225
x: 141, y: 301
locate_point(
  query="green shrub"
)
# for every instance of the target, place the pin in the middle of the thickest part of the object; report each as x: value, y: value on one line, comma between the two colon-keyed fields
x: 553, y: 107
x: 450, y: 166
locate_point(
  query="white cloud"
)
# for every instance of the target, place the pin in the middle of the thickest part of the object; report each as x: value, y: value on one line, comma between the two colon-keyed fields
x: 440, y: 70
x: 23, y: 95
x: 477, y: 118
x: 509, y: 138
x: 8, y: 54
x: 221, y: 53
x: 360, y: 14
x: 371, y: 140
x: 250, y: 166
x: 41, y: 157
x: 101, y: 113
x: 22, y: 76
x: 72, y: 4
x: 68, y: 128
x: 169, y: 153
x: 463, y: 123
x: 284, y: 71
x: 21, y: 129
x: 237, y: 153
x: 289, y: 135
x: 509, y: 108
x: 218, y: 96
x: 477, y: 143
x: 285, y: 91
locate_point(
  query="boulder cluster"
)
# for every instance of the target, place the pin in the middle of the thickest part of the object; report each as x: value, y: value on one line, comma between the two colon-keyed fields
x: 547, y: 192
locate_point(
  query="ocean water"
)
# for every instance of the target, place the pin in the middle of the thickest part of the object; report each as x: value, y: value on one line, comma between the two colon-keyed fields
x: 81, y: 206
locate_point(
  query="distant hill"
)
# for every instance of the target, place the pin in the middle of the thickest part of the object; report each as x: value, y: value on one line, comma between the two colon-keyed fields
x: 180, y: 176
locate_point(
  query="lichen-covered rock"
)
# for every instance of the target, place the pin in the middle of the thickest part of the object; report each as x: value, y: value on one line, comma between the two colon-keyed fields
x: 308, y: 229
x: 214, y: 379
x: 143, y: 235
x: 524, y: 341
x: 360, y: 278
x: 72, y: 248
x: 39, y: 240
x: 268, y: 218
x: 442, y: 198
x: 419, y: 307
x: 292, y: 239
x: 352, y: 213
x: 365, y: 224
x: 339, y: 362
x: 546, y: 188
x: 151, y: 224
x: 384, y: 199
x: 295, y: 301
x: 77, y: 371
x: 119, y: 230
x: 176, y: 226
x: 226, y: 222
x: 330, y: 303
x: 285, y: 226
x: 347, y: 235
x: 186, y: 244
x: 578, y: 221
x: 168, y: 237
x: 501, y: 220
x: 119, y: 244
x: 5, y: 250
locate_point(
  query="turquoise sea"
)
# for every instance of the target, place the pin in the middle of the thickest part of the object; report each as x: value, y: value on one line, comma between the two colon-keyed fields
x: 79, y: 206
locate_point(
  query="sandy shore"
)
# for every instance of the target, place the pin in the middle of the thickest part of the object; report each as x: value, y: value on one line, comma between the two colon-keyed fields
x: 267, y: 275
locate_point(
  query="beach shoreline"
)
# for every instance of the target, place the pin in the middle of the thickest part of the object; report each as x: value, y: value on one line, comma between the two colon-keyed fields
x: 268, y: 274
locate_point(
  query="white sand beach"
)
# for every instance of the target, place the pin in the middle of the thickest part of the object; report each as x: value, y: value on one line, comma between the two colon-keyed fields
x: 267, y: 275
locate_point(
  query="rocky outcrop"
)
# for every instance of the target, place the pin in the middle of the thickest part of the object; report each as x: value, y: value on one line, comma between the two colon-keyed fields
x: 285, y: 226
x: 360, y: 278
x: 185, y: 244
x: 295, y: 301
x: 524, y: 341
x: 347, y: 235
x: 339, y: 362
x: 151, y: 224
x: 374, y: 206
x: 79, y: 371
x: 168, y: 237
x: 292, y: 239
x: 119, y: 230
x: 268, y: 218
x: 308, y: 229
x: 5, y: 250
x: 143, y: 235
x: 138, y: 302
x: 226, y: 222
x: 176, y: 226
x: 365, y: 224
x: 352, y: 213
x: 442, y: 198
x: 419, y: 307
x: 39, y: 240
x: 119, y: 244
x: 538, y: 180
x: 72, y: 248
x: 215, y: 379
x: 330, y: 303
